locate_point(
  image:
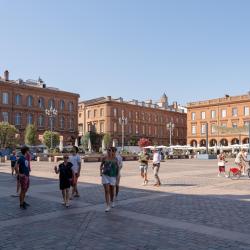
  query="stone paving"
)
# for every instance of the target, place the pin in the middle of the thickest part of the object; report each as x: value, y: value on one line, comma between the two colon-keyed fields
x: 193, y: 209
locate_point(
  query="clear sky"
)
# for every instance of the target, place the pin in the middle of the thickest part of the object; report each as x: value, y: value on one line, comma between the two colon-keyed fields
x: 137, y: 49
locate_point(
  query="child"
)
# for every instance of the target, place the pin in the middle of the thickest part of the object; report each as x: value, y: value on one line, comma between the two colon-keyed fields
x: 13, y: 160
x: 221, y: 164
x: 65, y: 178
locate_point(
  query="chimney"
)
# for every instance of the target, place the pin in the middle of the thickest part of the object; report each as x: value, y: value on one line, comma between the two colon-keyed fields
x: 108, y: 98
x: 175, y: 106
x: 6, y: 75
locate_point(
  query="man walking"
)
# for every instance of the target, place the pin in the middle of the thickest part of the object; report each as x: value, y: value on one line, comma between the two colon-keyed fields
x: 156, y: 167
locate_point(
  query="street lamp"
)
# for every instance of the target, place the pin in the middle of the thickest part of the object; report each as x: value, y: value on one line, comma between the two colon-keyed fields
x: 51, y: 112
x: 170, y: 127
x: 123, y: 121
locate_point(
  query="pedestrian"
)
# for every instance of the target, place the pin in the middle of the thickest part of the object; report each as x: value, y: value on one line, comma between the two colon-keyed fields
x: 65, y: 178
x: 118, y: 178
x: 13, y: 160
x: 156, y: 167
x: 221, y: 164
x: 76, y: 168
x: 23, y: 172
x: 109, y: 171
x: 241, y: 160
x: 143, y: 159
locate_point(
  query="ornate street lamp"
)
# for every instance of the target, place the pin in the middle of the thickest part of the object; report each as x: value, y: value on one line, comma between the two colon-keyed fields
x: 170, y: 127
x: 123, y: 121
x: 51, y: 113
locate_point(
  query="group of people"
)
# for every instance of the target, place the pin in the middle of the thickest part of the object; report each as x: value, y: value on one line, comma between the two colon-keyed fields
x: 144, y: 160
x: 240, y: 160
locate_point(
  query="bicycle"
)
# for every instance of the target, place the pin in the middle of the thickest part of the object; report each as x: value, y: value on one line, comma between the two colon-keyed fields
x: 235, y: 173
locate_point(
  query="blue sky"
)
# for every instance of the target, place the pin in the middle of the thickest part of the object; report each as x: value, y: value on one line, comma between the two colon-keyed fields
x: 137, y: 49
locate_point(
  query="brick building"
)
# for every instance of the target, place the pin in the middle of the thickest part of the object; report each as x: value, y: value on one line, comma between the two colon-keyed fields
x: 144, y: 119
x: 24, y: 102
x: 227, y: 120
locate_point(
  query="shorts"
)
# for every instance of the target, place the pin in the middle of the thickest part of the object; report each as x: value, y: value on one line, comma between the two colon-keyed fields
x: 24, y: 182
x: 13, y: 163
x: 108, y: 180
x: 144, y: 169
x: 74, y: 179
x: 222, y: 168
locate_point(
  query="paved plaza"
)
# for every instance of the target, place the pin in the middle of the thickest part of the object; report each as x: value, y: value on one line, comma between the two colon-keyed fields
x: 193, y: 209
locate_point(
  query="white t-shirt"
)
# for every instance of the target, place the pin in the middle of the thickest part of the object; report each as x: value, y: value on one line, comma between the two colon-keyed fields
x: 76, y: 161
x: 156, y: 158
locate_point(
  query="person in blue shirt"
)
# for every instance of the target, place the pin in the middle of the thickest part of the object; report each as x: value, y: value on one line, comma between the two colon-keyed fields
x: 23, y: 170
x: 13, y: 160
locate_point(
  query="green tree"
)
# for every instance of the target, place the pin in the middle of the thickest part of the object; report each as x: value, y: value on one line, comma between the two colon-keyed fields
x: 85, y: 140
x: 30, y: 134
x: 133, y: 141
x: 47, y: 139
x: 107, y: 140
x: 7, y: 135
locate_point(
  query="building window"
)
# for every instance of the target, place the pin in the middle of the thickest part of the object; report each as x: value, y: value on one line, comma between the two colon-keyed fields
x: 40, y: 121
x: 18, y: 99
x: 71, y: 123
x: 143, y: 129
x: 115, y: 112
x: 143, y: 116
x: 136, y: 129
x: 5, y: 116
x: 101, y: 112
x: 115, y: 127
x: 61, y: 121
x: 203, y: 128
x: 203, y: 115
x: 30, y: 101
x: 224, y: 125
x: 130, y: 128
x: 18, y: 119
x: 89, y: 113
x: 102, y: 127
x: 193, y: 129
x: 246, y: 124
x: 213, y: 128
x: 234, y: 125
x: 51, y: 103
x: 129, y: 114
x: 62, y: 104
x: 136, y: 115
x: 246, y: 111
x: 193, y: 116
x: 234, y: 111
x: 149, y: 130
x: 155, y: 131
x: 30, y: 119
x: 224, y: 113
x: 213, y: 114
x: 41, y: 103
x: 71, y: 106
x: 5, y: 98
x: 95, y: 112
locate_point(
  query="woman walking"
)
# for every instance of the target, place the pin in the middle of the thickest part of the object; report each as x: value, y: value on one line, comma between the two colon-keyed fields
x: 65, y: 177
x: 109, y: 170
x: 221, y: 164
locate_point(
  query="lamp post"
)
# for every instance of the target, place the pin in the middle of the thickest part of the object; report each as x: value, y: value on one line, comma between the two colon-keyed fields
x: 170, y: 127
x: 123, y: 121
x: 51, y: 113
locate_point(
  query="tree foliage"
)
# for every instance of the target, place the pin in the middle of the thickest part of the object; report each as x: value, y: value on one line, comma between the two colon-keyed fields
x: 7, y: 135
x: 143, y: 142
x: 30, y: 134
x: 47, y: 139
x: 85, y: 140
x: 107, y: 140
x: 133, y: 141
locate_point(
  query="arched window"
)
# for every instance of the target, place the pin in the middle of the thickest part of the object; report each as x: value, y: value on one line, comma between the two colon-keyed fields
x: 62, y: 104
x: 40, y: 121
x: 18, y: 99
x: 51, y: 103
x: 41, y: 103
x: 62, y: 122
x: 30, y: 101
x: 71, y: 106
x: 18, y: 119
x: 71, y: 123
x: 30, y: 119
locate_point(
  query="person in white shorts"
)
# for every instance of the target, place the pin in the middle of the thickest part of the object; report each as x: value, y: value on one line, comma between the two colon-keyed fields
x: 109, y: 170
x: 76, y: 169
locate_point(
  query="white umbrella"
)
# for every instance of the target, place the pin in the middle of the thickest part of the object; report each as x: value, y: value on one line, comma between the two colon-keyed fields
x: 89, y: 145
x: 76, y: 142
x: 61, y: 146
